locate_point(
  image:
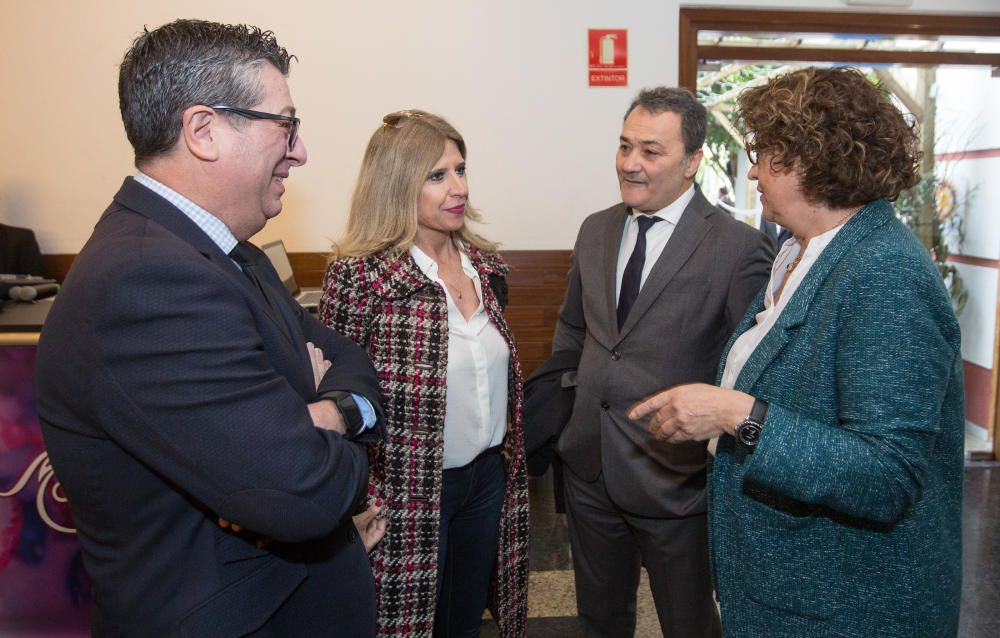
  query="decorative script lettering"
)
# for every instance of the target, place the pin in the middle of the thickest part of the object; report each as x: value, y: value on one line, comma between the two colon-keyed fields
x: 47, y: 482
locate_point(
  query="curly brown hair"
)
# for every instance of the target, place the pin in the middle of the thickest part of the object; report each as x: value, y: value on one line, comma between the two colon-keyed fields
x: 843, y: 135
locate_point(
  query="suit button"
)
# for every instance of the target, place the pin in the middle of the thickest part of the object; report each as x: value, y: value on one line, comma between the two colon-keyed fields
x: 615, y: 355
x: 605, y: 405
x: 352, y: 533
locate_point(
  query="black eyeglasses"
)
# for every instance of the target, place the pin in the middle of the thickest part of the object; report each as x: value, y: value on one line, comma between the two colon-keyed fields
x: 292, y: 126
x: 751, y: 155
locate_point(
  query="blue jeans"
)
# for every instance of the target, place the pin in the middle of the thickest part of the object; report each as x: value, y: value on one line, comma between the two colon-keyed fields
x: 471, y: 497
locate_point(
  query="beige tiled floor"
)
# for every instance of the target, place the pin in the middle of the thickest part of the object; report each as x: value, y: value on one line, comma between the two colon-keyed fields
x: 552, y: 594
x: 552, y: 608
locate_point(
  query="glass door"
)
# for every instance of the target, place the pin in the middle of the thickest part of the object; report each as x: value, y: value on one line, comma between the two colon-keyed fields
x: 943, y: 71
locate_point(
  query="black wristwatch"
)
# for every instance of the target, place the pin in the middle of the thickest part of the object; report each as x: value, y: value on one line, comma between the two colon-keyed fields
x: 748, y: 432
x: 348, y: 408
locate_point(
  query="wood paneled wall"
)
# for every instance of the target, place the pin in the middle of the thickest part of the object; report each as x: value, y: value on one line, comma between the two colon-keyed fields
x: 56, y: 266
x: 537, y: 283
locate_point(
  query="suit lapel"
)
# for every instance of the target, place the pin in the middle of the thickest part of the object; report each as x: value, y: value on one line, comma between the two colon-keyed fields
x: 691, y: 230
x: 278, y: 312
x: 396, y: 276
x: 145, y: 202
x: 795, y: 313
x: 612, y: 245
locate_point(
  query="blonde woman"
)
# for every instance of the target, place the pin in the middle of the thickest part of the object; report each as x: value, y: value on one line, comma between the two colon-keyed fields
x: 423, y: 294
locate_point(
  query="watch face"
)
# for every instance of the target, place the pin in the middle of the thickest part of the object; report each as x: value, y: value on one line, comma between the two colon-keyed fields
x: 748, y: 433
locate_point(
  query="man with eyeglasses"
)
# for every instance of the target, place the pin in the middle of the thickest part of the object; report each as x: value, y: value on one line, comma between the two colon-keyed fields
x: 207, y: 432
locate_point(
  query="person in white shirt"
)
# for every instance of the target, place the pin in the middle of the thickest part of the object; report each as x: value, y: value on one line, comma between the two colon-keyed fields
x: 424, y: 295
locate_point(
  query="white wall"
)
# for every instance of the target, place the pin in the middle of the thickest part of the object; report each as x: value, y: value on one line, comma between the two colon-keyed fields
x: 967, y: 121
x: 978, y: 191
x: 510, y: 75
x: 967, y: 110
x: 978, y: 319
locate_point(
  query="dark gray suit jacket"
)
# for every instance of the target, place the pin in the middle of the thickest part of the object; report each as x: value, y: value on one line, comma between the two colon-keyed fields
x: 776, y: 236
x: 693, y: 298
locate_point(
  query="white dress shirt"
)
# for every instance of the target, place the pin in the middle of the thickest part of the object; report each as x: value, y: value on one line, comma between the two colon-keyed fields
x: 766, y: 318
x: 475, y: 416
x: 656, y: 238
x: 209, y: 224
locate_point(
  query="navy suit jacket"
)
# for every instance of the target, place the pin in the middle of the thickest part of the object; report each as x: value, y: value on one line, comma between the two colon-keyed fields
x: 171, y: 394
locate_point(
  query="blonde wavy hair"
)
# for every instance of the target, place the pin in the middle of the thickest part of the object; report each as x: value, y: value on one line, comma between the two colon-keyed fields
x: 399, y: 157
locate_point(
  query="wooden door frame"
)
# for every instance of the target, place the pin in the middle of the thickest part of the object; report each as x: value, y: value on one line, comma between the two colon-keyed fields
x: 693, y: 20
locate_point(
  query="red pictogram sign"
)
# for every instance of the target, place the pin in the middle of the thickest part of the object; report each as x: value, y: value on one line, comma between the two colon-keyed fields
x: 608, y: 52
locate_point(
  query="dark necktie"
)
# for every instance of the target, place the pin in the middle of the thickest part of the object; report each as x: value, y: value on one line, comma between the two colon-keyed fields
x: 632, y: 277
x: 243, y: 255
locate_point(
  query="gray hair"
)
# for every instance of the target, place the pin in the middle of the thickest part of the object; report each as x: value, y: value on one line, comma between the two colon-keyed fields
x: 188, y: 62
x: 694, y: 116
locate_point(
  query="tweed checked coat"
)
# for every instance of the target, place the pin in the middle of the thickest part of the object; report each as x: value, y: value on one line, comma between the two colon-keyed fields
x: 846, y: 518
x: 400, y: 317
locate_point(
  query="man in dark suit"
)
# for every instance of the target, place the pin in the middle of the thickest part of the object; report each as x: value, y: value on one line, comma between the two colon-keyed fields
x: 657, y: 284
x: 179, y: 384
x: 19, y: 254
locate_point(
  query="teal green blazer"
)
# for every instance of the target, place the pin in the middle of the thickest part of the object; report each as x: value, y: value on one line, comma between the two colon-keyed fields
x: 846, y: 518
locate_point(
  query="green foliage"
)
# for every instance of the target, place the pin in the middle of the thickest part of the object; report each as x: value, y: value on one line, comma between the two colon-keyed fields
x: 936, y: 233
x: 723, y: 148
x: 722, y: 151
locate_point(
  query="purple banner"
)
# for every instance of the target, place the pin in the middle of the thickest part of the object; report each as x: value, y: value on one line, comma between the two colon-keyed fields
x: 44, y: 590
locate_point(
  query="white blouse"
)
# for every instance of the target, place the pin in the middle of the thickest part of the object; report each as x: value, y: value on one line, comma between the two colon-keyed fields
x: 766, y: 318
x: 656, y: 238
x: 475, y: 417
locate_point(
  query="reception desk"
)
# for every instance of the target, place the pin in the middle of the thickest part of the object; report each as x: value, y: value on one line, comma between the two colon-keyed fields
x: 44, y: 590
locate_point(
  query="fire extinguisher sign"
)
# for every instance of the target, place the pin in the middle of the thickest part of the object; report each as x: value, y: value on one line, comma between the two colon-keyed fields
x: 608, y: 52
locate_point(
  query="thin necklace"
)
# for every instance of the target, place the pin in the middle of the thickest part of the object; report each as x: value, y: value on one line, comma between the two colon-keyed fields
x: 802, y: 251
x: 795, y: 262
x: 456, y: 291
x: 453, y: 289
x: 843, y: 220
x: 461, y: 274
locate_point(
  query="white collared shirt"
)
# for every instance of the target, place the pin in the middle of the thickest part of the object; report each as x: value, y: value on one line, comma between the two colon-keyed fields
x: 766, y: 318
x: 656, y: 238
x: 211, y: 225
x: 475, y: 416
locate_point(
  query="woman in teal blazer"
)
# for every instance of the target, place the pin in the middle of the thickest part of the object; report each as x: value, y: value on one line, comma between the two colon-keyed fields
x: 836, y: 496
